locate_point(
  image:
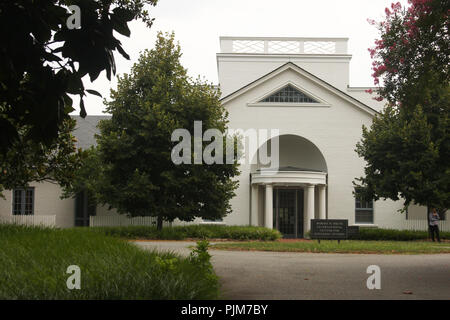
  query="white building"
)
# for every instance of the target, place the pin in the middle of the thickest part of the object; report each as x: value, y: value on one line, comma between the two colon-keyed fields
x: 300, y: 87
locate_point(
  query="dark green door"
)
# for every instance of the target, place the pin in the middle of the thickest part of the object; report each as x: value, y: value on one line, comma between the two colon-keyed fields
x: 84, y: 208
x: 288, y: 212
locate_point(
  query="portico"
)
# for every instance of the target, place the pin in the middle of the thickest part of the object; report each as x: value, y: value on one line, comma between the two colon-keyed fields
x: 289, y: 199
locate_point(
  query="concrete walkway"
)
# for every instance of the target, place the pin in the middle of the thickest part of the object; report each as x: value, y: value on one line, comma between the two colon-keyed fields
x: 281, y: 275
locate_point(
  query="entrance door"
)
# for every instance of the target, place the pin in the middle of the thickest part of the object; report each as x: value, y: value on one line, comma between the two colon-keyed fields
x: 288, y: 212
x: 84, y: 208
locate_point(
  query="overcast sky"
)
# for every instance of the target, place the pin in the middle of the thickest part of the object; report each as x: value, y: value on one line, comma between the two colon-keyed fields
x: 199, y: 23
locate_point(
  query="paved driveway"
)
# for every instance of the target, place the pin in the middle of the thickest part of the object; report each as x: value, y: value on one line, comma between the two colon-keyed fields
x: 282, y: 275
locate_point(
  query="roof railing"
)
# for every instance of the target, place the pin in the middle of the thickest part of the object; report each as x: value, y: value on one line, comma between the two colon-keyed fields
x: 283, y: 45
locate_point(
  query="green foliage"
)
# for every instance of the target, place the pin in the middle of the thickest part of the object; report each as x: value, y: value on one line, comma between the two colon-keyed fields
x: 166, y: 264
x: 42, y: 61
x: 192, y: 232
x: 202, y: 259
x: 28, y: 161
x: 395, y: 235
x: 413, y: 53
x: 139, y: 177
x: 33, y: 264
x: 408, y: 145
x: 85, y: 177
x: 403, y: 161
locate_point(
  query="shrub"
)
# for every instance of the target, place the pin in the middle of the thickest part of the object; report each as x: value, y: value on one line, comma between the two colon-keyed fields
x: 192, y: 231
x: 394, y: 235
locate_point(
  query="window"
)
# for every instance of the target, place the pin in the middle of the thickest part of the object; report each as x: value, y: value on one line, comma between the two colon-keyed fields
x: 289, y: 94
x: 363, y: 209
x: 23, y: 201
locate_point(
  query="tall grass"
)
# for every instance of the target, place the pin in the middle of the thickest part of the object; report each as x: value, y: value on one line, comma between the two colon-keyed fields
x: 34, y: 260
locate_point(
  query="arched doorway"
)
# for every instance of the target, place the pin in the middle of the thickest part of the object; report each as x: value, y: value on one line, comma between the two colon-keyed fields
x: 288, y: 196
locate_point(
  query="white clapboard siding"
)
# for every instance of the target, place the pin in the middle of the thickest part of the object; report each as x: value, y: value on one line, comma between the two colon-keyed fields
x: 30, y: 220
x: 411, y: 224
x: 122, y: 220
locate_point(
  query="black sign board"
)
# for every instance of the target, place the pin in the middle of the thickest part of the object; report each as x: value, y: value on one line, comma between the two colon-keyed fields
x: 330, y: 229
x: 352, y: 231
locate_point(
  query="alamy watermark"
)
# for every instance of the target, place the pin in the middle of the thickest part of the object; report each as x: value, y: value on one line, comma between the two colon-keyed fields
x: 250, y: 146
x: 74, y: 20
x: 374, y: 281
x: 74, y: 281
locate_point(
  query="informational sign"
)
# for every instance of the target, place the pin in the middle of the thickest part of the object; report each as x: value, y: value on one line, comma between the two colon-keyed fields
x: 329, y: 229
x: 352, y: 231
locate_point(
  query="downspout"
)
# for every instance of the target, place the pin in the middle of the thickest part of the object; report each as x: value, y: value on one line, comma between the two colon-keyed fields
x: 250, y: 202
x: 326, y: 197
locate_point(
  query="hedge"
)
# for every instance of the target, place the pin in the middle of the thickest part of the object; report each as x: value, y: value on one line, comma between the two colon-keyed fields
x: 394, y: 235
x: 192, y: 232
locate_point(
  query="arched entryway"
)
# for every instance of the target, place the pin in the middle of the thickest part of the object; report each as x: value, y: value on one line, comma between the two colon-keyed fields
x: 288, y: 196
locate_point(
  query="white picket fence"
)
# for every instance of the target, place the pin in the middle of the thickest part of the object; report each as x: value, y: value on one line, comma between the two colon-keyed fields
x: 420, y: 225
x: 30, y: 220
x: 122, y: 220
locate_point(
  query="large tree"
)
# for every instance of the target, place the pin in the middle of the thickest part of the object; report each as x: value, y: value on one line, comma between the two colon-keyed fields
x: 29, y: 161
x: 43, y: 57
x: 407, y: 148
x: 45, y: 54
x: 135, y: 146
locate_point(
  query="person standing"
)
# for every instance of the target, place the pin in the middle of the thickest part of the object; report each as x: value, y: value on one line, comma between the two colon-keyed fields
x: 434, y: 224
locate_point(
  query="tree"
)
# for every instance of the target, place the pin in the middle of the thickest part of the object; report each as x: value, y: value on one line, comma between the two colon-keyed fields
x: 135, y: 145
x: 29, y: 161
x: 85, y: 178
x: 408, y: 145
x: 42, y: 60
x: 86, y: 175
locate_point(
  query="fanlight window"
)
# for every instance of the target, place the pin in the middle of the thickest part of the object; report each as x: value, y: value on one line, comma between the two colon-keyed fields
x: 289, y: 94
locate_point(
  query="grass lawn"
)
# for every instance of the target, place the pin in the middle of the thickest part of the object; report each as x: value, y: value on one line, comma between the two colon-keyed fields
x: 33, y: 264
x: 346, y: 246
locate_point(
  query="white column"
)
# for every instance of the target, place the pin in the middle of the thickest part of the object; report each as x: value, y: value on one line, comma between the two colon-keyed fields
x: 309, y: 206
x: 255, y: 201
x: 322, y: 202
x: 268, y: 214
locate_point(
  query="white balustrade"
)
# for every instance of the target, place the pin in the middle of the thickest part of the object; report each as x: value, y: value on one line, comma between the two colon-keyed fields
x: 283, y: 45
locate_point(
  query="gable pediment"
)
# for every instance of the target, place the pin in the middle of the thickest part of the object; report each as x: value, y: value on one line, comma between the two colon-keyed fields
x: 276, y: 93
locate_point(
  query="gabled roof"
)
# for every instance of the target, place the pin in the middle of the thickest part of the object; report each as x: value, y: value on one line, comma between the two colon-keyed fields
x: 306, y: 74
x: 85, y: 130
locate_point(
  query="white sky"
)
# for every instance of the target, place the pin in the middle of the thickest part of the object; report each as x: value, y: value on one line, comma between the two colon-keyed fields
x: 199, y: 23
